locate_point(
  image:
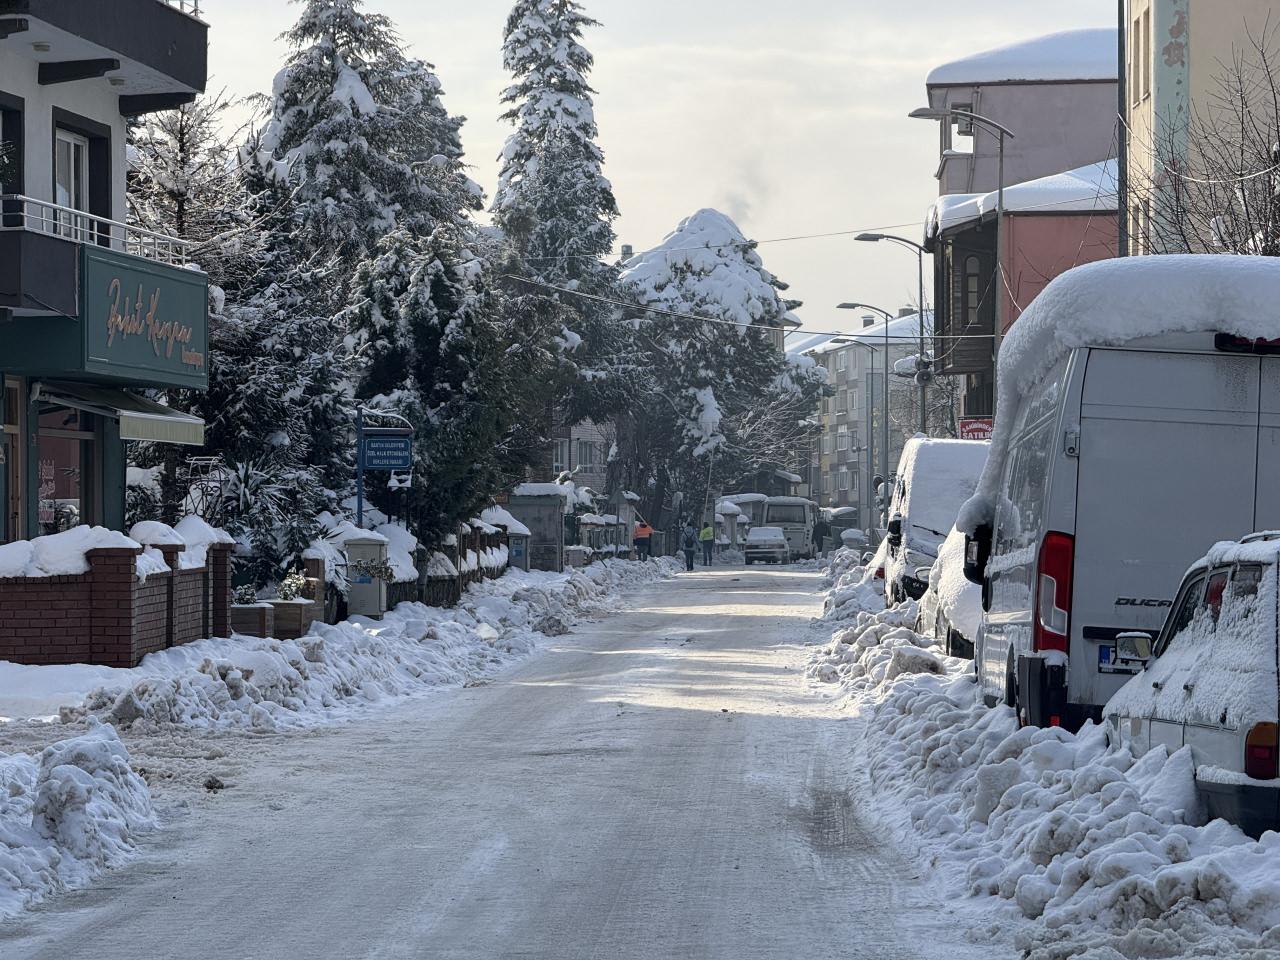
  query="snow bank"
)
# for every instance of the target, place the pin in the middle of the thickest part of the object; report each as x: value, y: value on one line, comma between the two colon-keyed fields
x: 198, y: 536
x: 334, y: 670
x: 401, y: 545
x: 1092, y: 849
x: 959, y: 599
x: 67, y: 815
x: 1113, y: 302
x: 853, y: 589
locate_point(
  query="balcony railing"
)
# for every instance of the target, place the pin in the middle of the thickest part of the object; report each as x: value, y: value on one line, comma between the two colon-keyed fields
x: 190, y: 7
x: 26, y: 213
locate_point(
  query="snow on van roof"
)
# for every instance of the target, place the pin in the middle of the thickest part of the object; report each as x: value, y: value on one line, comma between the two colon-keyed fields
x: 791, y: 501
x: 1112, y: 302
x: 1088, y: 54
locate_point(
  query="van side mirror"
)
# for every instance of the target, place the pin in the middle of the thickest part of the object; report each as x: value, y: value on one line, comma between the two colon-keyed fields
x: 977, y: 551
x: 895, y: 532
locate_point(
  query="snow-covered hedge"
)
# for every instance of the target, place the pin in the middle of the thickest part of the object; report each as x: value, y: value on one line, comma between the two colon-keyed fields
x: 1099, y: 854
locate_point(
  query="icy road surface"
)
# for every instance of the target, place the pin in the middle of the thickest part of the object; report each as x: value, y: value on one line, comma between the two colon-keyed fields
x: 596, y: 801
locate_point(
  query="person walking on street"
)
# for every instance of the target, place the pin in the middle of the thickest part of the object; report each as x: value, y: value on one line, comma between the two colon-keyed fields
x: 708, y: 538
x: 644, y: 540
x: 821, y: 530
x: 688, y: 544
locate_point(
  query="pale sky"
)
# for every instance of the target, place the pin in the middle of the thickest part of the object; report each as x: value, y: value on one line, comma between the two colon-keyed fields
x: 789, y: 115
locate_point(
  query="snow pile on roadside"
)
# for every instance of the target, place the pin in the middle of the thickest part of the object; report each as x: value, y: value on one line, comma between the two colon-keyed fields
x: 273, y: 684
x: 67, y: 815
x: 1099, y: 852
x: 853, y: 589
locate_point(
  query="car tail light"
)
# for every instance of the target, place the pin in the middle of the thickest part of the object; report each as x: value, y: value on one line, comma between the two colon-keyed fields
x: 879, y: 573
x: 1052, y: 630
x: 1229, y: 344
x: 1260, y: 752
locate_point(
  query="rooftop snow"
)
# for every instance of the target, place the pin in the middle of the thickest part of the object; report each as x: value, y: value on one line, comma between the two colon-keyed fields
x: 1090, y: 188
x: 1070, y: 55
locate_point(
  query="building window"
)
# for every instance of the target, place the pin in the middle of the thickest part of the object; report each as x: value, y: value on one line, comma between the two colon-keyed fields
x: 827, y: 443
x: 844, y: 480
x: 972, y: 289
x: 1146, y: 53
x: 843, y: 403
x: 64, y: 468
x: 842, y: 439
x: 586, y: 453
x: 842, y: 361
x: 1147, y: 245
x: 964, y: 126
x: 560, y: 456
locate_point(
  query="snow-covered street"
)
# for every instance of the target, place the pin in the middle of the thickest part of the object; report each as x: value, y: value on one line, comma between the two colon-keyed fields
x: 661, y: 783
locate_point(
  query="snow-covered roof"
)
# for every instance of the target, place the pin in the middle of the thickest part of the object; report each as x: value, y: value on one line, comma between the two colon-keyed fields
x: 788, y: 476
x: 1091, y: 188
x: 741, y: 498
x: 501, y: 517
x: 1088, y: 54
x: 728, y: 508
x: 1112, y: 302
x: 792, y: 501
x: 901, y: 330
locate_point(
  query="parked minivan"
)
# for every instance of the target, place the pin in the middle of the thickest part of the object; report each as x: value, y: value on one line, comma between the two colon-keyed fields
x: 1210, y: 682
x: 1122, y: 462
x: 934, y: 478
x: 1118, y: 453
x: 796, y: 516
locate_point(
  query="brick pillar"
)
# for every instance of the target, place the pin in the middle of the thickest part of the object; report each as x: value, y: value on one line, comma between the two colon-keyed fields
x: 170, y: 554
x: 113, y: 573
x: 218, y: 560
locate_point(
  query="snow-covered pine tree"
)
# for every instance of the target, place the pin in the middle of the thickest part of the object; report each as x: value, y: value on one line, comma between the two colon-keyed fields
x: 553, y: 200
x: 722, y: 400
x: 362, y: 128
x: 554, y: 203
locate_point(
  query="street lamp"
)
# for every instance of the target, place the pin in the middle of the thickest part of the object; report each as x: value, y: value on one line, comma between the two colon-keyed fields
x: 884, y: 415
x: 1001, y: 133
x: 920, y: 252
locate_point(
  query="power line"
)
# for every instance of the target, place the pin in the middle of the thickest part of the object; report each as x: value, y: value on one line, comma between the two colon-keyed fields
x: 695, y: 318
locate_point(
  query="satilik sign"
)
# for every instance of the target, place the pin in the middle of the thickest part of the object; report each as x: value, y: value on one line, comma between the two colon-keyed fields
x: 975, y: 428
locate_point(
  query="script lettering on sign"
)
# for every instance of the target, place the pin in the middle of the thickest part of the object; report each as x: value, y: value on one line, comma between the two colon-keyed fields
x: 132, y: 321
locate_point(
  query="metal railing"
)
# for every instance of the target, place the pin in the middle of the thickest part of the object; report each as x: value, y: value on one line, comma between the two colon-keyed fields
x: 190, y: 7
x: 39, y: 216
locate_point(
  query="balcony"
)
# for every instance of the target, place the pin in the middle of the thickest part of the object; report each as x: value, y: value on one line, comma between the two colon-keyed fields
x: 190, y: 7
x: 95, y: 299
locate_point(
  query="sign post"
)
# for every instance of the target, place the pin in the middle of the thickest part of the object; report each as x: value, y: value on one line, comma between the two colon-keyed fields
x: 387, y: 449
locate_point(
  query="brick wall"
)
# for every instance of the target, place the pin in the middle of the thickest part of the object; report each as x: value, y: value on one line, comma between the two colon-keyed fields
x: 106, y: 616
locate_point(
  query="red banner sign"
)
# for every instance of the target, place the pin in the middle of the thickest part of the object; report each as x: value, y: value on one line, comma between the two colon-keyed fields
x: 975, y: 428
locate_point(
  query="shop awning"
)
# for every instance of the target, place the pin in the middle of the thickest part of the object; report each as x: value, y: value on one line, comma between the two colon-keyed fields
x: 139, y: 418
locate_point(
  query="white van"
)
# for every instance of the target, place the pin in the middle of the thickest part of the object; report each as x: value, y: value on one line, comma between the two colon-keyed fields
x: 935, y: 477
x: 797, y: 517
x: 1116, y: 456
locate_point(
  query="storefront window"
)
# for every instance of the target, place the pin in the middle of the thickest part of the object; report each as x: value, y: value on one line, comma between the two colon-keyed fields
x: 64, y: 456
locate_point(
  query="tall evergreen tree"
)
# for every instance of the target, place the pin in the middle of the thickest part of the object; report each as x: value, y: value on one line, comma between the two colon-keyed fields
x: 361, y: 126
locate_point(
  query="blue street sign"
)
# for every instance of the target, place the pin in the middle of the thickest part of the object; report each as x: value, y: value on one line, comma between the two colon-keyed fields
x: 386, y: 453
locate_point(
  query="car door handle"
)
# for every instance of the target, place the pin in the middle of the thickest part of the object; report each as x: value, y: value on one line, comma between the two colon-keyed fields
x: 1157, y: 684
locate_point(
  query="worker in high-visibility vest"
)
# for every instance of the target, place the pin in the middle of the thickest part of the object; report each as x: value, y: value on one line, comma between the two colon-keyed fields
x: 708, y: 540
x: 644, y: 540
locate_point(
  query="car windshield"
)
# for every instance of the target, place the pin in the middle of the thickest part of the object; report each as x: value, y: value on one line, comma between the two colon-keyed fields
x: 785, y: 513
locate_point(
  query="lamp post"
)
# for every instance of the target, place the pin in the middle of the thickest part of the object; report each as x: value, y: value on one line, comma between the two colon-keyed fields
x: 920, y: 252
x: 884, y: 413
x: 1001, y: 134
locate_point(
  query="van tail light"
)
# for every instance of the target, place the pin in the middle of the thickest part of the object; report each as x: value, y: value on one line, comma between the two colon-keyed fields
x: 1261, y: 753
x: 879, y: 573
x: 1229, y: 344
x: 1052, y: 629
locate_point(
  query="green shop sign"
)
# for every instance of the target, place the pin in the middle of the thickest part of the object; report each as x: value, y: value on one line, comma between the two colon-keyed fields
x: 143, y: 322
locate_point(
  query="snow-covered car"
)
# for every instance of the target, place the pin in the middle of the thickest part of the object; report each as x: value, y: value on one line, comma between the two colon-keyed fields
x: 1210, y: 682
x: 934, y: 478
x: 767, y: 545
x: 951, y: 609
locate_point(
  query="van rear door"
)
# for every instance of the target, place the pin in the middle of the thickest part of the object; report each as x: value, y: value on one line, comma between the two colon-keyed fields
x: 1168, y: 457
